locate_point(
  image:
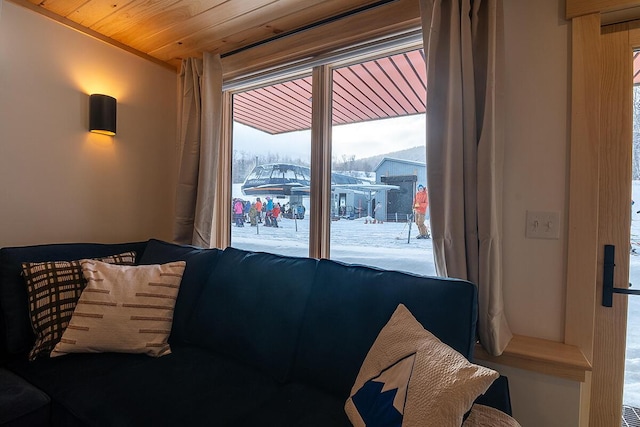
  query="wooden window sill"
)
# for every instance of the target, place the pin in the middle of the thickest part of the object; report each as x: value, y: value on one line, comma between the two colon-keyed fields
x: 540, y: 355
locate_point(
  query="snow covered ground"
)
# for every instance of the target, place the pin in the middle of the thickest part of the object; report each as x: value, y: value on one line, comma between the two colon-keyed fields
x: 632, y: 365
x: 381, y: 245
x: 385, y: 245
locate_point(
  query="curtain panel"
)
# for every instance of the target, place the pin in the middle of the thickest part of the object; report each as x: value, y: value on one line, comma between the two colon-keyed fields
x: 463, y: 41
x: 199, y: 127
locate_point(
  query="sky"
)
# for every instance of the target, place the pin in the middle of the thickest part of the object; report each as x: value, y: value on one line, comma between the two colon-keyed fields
x: 363, y: 139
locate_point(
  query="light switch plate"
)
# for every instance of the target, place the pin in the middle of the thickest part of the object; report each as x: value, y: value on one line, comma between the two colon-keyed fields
x: 543, y: 225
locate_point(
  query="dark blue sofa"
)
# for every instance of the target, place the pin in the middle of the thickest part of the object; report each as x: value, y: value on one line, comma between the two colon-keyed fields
x: 257, y: 339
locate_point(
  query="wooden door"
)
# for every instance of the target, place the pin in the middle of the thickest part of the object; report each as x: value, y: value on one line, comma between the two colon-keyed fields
x: 614, y: 209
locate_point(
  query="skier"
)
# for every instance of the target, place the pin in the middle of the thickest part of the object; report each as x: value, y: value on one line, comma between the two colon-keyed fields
x: 420, y: 205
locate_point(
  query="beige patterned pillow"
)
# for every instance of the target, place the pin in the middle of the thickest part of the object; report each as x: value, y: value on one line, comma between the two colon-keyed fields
x: 53, y: 289
x: 125, y: 309
x: 411, y: 378
x: 483, y: 416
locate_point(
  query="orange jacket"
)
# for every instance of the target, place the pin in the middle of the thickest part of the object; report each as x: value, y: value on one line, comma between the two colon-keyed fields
x: 421, y: 202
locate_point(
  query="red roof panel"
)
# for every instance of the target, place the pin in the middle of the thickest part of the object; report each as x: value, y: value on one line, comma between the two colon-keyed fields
x: 381, y: 88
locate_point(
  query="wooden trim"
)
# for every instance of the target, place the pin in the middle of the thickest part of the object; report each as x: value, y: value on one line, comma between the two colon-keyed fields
x: 582, y: 247
x: 575, y: 8
x: 222, y: 212
x: 392, y: 18
x: 584, y: 175
x: 614, y: 223
x: 539, y: 355
x: 91, y: 33
x: 320, y: 215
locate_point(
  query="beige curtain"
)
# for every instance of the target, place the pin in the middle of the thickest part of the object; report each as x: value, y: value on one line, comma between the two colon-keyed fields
x: 200, y: 120
x: 463, y: 42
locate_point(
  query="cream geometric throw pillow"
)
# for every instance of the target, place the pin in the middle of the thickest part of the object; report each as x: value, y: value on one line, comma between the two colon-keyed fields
x: 125, y: 309
x: 54, y: 289
x: 410, y: 378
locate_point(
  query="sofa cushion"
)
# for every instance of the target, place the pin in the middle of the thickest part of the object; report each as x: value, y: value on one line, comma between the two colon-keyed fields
x: 251, y: 309
x: 298, y: 405
x: 127, y: 309
x: 16, y: 334
x: 189, y: 387
x: 350, y: 304
x: 200, y: 264
x: 53, y: 289
x: 410, y: 377
x: 21, y: 404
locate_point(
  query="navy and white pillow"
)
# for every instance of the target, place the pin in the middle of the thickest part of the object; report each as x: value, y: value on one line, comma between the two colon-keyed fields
x: 411, y: 378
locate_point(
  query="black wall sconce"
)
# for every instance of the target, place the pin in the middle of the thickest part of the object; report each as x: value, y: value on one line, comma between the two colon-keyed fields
x: 102, y: 114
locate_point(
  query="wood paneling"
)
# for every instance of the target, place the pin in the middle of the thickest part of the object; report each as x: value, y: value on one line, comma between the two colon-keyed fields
x: 91, y: 33
x: 169, y: 30
x: 584, y: 7
x: 275, y: 19
x: 398, y: 16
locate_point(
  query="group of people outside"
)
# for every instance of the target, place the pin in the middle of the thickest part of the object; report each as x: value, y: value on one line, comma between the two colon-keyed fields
x: 253, y: 212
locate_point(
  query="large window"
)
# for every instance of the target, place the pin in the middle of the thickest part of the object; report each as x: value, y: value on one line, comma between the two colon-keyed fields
x: 376, y: 137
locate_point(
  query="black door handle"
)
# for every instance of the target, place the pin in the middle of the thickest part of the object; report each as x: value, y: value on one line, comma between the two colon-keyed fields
x: 607, y: 278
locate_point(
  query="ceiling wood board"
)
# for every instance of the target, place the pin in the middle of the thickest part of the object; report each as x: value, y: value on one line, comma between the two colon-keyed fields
x: 391, y: 18
x: 182, y: 26
x: 69, y: 23
x: 59, y: 7
x: 226, y: 38
x: 169, y: 30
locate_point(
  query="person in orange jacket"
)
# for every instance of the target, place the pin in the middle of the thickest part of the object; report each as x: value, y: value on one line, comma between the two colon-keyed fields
x: 259, y: 209
x: 275, y: 212
x: 420, y: 205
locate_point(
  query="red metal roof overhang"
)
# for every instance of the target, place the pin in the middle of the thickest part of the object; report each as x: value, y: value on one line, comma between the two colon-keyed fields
x: 382, y: 88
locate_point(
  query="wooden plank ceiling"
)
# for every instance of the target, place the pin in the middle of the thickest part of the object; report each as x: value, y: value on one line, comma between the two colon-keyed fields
x: 169, y: 30
x: 383, y: 88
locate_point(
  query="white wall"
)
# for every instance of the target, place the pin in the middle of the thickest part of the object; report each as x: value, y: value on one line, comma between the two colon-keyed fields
x: 537, y: 40
x: 541, y: 400
x: 58, y: 182
x: 537, y: 48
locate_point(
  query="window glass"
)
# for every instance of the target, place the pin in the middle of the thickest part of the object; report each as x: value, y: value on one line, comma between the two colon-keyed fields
x: 379, y: 151
x: 270, y: 171
x: 377, y: 167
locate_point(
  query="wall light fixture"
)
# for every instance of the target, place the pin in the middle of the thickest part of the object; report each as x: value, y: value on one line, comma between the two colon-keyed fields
x: 102, y: 114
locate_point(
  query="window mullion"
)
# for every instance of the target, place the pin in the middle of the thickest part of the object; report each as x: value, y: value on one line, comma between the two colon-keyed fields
x: 222, y: 214
x: 320, y: 215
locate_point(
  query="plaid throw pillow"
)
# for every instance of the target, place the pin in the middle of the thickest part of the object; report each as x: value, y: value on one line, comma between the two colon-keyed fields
x: 54, y: 289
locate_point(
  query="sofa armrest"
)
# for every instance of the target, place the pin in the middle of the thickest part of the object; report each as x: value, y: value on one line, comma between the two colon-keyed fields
x: 497, y: 396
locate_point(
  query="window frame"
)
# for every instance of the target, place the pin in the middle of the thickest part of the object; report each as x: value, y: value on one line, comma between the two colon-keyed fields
x: 321, y: 124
